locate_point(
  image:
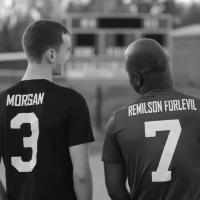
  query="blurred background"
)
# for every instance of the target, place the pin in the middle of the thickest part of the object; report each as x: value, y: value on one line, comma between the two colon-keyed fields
x: 101, y: 30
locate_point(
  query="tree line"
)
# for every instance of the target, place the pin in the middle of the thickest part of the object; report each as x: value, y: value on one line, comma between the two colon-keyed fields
x: 18, y: 14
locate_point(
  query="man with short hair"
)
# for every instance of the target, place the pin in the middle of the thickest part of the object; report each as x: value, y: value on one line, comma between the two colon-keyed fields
x: 45, y: 128
x: 155, y: 140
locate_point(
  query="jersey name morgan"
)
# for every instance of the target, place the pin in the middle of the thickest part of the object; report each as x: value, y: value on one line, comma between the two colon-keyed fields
x: 25, y: 99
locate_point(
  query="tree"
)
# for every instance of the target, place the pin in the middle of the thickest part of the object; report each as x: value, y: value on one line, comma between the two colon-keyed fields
x: 15, y: 15
x: 192, y: 15
x: 99, y: 6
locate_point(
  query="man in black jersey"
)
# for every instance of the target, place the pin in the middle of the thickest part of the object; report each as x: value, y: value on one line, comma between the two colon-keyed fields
x: 155, y: 140
x: 44, y: 128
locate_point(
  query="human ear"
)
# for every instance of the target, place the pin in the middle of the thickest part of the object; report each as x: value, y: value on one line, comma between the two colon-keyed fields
x: 138, y: 79
x: 51, y: 55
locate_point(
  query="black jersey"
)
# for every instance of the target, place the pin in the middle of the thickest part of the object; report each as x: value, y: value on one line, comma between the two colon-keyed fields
x: 39, y: 121
x: 157, y: 138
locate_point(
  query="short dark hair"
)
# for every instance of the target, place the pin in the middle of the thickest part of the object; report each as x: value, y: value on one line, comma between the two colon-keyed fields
x: 41, y: 35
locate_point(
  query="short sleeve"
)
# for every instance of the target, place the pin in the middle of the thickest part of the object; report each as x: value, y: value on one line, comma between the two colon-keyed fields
x: 79, y: 126
x: 111, y: 149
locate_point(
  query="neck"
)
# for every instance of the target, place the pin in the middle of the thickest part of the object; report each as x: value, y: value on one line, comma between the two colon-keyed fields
x: 154, y: 86
x: 38, y: 71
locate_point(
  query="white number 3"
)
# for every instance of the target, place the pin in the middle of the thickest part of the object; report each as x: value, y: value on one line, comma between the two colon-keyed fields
x: 162, y: 174
x: 16, y: 123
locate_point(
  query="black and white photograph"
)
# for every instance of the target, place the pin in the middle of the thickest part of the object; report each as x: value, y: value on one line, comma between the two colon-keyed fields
x: 99, y: 99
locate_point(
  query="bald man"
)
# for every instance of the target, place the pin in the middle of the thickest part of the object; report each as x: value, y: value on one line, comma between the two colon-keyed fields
x: 154, y: 142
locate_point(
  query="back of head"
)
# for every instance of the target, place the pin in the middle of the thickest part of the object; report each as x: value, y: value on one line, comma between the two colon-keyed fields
x: 40, y: 36
x: 146, y: 55
x: 148, y: 58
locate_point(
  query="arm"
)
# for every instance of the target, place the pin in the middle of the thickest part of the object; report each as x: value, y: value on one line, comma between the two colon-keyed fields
x: 3, y: 195
x: 79, y: 135
x: 81, y: 172
x: 115, y: 178
x: 2, y: 191
x: 114, y: 165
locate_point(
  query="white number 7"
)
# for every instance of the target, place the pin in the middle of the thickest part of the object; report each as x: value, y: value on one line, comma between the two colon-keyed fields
x: 162, y: 174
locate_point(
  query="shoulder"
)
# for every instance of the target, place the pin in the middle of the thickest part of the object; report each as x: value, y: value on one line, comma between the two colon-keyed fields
x: 69, y: 94
x: 71, y: 100
x: 119, y: 112
x: 120, y: 117
x: 184, y: 95
x: 3, y: 95
x: 6, y: 91
x: 122, y: 112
